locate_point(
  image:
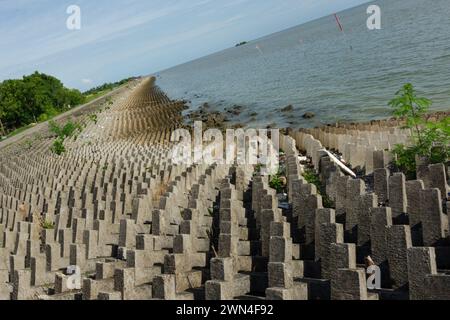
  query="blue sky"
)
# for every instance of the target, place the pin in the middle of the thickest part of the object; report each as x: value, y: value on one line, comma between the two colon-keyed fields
x: 122, y: 38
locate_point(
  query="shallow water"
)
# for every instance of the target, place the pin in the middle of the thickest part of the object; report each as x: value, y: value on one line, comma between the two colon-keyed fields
x: 313, y: 68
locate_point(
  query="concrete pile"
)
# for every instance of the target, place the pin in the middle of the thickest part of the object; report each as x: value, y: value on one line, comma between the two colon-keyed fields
x: 393, y: 222
x: 114, y: 218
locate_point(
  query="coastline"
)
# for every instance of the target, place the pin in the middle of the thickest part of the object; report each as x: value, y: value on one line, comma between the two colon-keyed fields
x: 229, y: 118
x: 211, y: 118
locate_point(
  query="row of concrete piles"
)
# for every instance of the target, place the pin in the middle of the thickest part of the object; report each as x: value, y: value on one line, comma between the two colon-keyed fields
x: 401, y: 225
x: 138, y: 226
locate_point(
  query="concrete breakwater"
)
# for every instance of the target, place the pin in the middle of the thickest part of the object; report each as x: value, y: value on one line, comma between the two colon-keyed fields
x: 113, y: 218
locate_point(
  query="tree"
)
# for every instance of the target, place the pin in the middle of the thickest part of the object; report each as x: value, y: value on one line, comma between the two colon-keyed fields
x: 34, y: 98
x: 412, y: 108
x: 2, y: 127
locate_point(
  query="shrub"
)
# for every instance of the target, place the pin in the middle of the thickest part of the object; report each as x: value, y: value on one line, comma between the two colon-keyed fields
x: 58, y: 147
x: 28, y: 144
x: 54, y: 128
x: 43, y: 117
x: 258, y: 168
x: 47, y: 224
x: 405, y: 159
x: 93, y: 118
x: 68, y: 130
x: 313, y: 178
x: 437, y: 137
x: 276, y: 183
x: 429, y: 139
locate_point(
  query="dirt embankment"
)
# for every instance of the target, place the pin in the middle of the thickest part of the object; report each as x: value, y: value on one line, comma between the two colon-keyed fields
x: 75, y: 112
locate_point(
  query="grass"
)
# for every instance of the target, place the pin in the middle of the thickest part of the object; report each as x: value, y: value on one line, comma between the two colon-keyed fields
x: 92, y: 97
x: 19, y: 130
x: 48, y: 225
x: 31, y: 125
x: 44, y: 224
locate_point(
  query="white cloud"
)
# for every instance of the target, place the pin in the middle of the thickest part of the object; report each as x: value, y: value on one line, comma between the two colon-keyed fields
x: 87, y: 81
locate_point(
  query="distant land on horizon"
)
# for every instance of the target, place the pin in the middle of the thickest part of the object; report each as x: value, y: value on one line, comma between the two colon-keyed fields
x: 271, y: 34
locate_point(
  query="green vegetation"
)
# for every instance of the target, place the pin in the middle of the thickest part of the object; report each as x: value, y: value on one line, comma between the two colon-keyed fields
x: 276, y: 181
x: 65, y: 131
x: 28, y: 144
x: 96, y: 92
x: 92, y: 97
x: 17, y: 131
x: 32, y: 99
x: 47, y: 224
x: 258, y: 168
x: 93, y: 117
x: 313, y: 178
x: 70, y: 129
x: 58, y: 147
x: 430, y: 140
x: 39, y: 98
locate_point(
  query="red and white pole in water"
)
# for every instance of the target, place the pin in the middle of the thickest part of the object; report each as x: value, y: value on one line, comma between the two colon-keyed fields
x: 339, y: 22
x: 341, y: 28
x: 261, y: 54
x: 259, y: 49
x: 300, y: 41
